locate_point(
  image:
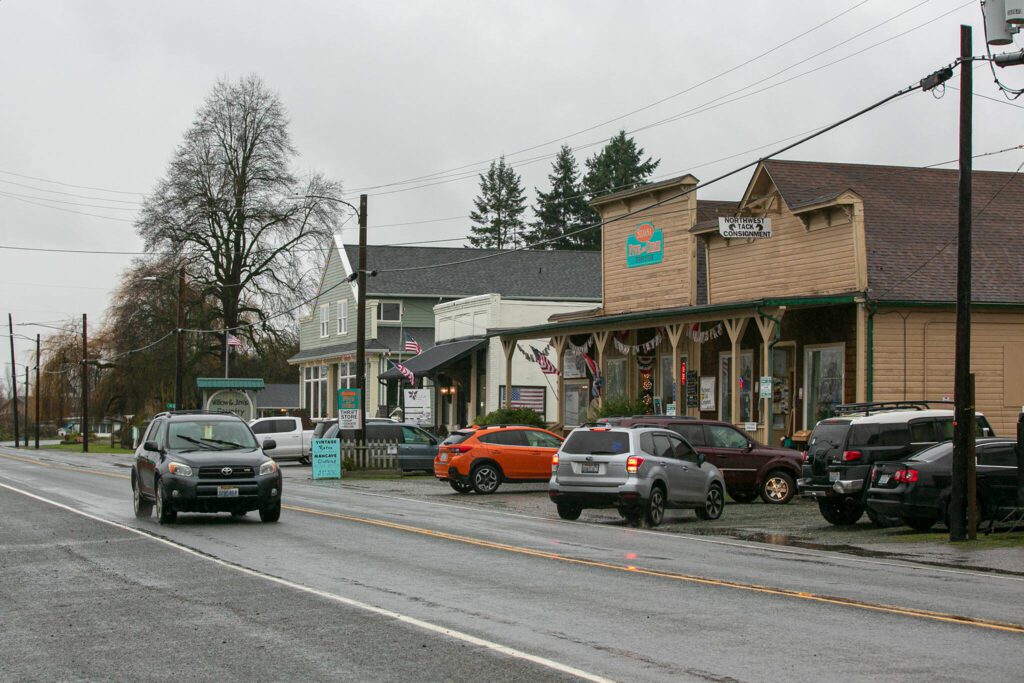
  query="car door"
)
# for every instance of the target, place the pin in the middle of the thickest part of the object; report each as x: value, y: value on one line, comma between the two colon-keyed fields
x: 149, y: 460
x: 417, y: 449
x: 729, y: 450
x: 682, y: 483
x: 997, y: 475
x: 542, y: 446
x: 508, y: 448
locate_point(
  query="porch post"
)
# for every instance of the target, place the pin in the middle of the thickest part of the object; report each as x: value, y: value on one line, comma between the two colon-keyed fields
x: 558, y: 344
x: 735, y: 327
x: 473, y: 399
x: 767, y: 329
x: 601, y: 341
x: 675, y: 334
x: 861, y: 354
x: 508, y: 346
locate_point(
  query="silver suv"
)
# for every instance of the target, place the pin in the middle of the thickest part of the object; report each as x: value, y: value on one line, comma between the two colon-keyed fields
x: 640, y: 471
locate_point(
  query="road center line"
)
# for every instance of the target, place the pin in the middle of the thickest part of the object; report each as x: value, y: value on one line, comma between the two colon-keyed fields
x: 412, y: 621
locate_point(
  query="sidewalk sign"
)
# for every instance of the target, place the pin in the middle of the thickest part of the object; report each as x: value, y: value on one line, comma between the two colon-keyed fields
x: 326, y: 459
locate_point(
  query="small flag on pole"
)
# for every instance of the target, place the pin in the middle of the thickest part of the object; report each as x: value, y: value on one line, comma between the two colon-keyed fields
x: 411, y: 345
x: 233, y: 340
x: 546, y: 366
x: 406, y: 372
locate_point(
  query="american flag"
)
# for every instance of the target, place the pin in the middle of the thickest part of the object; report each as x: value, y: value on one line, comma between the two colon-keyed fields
x: 525, y: 397
x: 406, y: 372
x: 411, y: 345
x: 233, y: 340
x: 546, y: 366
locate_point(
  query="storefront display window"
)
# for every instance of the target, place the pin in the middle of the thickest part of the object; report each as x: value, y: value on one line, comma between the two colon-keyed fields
x: 314, y: 390
x: 823, y: 379
x: 577, y: 397
x: 744, y: 385
x: 615, y: 378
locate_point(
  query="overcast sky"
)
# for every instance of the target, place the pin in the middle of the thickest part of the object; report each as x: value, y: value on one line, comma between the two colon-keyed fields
x: 97, y: 94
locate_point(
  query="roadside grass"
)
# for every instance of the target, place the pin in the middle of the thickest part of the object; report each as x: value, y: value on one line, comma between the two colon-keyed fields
x: 997, y: 539
x: 94, y: 447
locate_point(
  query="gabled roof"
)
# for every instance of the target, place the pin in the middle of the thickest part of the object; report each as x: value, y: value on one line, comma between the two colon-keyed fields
x: 910, y: 223
x: 453, y: 273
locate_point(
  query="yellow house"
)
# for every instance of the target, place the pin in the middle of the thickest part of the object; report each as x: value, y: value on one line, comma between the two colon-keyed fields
x: 825, y: 283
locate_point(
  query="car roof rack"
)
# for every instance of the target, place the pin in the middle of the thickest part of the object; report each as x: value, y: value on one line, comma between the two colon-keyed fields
x: 173, y: 413
x: 877, y: 406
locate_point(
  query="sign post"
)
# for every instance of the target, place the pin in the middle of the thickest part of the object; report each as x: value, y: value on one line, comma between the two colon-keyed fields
x: 326, y: 459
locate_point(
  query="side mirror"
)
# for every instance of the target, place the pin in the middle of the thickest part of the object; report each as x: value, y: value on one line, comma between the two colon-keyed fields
x: 700, y: 459
x: 151, y: 446
x: 985, y: 431
x: 750, y: 446
x: 269, y: 445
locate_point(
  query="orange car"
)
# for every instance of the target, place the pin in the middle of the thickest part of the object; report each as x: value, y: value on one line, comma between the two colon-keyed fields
x: 481, y: 458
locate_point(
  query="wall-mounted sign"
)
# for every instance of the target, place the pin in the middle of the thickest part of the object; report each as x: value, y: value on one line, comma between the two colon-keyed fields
x: 645, y: 246
x: 745, y: 226
x: 765, y: 388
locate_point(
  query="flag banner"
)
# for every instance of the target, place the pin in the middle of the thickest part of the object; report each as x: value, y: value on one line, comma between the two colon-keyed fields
x: 546, y: 366
x: 406, y: 372
x: 524, y: 397
x: 411, y: 345
x: 233, y: 340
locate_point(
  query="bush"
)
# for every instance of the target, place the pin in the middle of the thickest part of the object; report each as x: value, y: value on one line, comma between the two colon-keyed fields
x: 619, y: 406
x: 518, y: 416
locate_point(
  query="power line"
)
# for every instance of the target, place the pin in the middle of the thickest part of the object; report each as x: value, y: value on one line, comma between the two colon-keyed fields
x: 80, y: 187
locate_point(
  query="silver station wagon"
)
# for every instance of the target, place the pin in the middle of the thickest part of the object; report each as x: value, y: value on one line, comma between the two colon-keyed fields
x: 640, y: 471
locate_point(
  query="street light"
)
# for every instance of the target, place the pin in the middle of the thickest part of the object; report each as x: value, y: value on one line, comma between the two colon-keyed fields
x: 179, y: 338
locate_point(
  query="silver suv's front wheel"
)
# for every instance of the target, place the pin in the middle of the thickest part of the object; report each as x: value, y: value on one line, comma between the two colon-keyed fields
x: 713, y: 504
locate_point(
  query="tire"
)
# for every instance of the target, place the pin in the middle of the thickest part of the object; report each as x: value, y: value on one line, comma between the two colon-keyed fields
x: 569, y: 510
x: 485, y: 478
x: 743, y: 496
x: 921, y: 523
x: 883, y: 521
x: 654, y: 512
x: 460, y: 486
x: 713, y: 504
x: 840, y: 511
x: 270, y: 513
x: 165, y: 514
x: 143, y: 508
x: 778, y: 488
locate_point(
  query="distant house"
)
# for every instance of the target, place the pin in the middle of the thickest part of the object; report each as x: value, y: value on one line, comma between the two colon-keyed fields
x: 400, y: 303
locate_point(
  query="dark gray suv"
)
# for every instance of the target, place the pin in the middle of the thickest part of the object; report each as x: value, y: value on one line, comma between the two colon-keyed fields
x: 640, y: 471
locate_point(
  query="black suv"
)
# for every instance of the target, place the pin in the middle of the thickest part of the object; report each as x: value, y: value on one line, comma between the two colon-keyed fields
x: 841, y: 451
x: 196, y: 461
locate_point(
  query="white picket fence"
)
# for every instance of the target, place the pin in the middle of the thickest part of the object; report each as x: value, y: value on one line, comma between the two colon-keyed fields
x: 375, y: 455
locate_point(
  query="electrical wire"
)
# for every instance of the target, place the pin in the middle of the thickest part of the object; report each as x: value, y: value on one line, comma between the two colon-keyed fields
x: 1008, y: 92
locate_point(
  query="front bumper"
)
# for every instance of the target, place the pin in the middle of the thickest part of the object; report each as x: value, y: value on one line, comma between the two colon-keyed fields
x: 191, y: 494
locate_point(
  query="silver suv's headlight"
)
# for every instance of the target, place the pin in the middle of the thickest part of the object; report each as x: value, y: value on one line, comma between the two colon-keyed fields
x: 180, y: 469
x: 268, y: 467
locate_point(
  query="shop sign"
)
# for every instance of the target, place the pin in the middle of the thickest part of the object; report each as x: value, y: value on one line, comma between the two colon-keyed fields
x: 732, y: 227
x: 230, y: 401
x: 707, y: 393
x: 326, y: 459
x: 645, y: 246
x: 692, y: 390
x: 417, y: 407
x: 766, y: 388
x: 350, y: 409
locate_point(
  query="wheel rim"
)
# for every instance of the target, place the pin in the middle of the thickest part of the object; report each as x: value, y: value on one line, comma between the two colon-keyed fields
x: 777, y: 488
x: 714, y: 503
x: 657, y: 506
x: 486, y: 479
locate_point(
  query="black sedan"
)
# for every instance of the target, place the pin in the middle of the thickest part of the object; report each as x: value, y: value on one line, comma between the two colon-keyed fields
x: 204, y: 462
x: 917, y: 489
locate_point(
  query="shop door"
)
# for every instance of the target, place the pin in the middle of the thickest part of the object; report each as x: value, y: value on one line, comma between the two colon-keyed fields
x: 783, y: 385
x: 823, y: 381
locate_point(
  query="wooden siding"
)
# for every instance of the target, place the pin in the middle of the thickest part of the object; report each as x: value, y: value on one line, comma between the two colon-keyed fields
x: 332, y: 290
x: 795, y: 261
x: 651, y: 287
x: 925, y: 369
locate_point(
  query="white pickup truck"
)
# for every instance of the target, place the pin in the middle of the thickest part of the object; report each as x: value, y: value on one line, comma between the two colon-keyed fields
x: 293, y: 442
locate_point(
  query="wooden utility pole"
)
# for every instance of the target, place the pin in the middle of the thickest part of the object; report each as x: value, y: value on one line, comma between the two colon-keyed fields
x: 38, y: 403
x: 179, y: 353
x: 14, y: 379
x: 26, y: 406
x: 85, y: 383
x: 361, y: 319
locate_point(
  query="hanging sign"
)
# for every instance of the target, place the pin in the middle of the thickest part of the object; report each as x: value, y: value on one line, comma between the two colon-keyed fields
x: 756, y: 227
x: 349, y: 409
x: 645, y: 246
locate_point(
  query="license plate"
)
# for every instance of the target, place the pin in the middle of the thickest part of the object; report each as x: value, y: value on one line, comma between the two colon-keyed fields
x: 833, y: 476
x: 227, y: 491
x: 444, y: 457
x: 884, y: 479
x: 590, y: 468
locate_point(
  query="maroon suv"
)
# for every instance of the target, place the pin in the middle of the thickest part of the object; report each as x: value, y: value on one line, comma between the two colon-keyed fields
x: 750, y: 469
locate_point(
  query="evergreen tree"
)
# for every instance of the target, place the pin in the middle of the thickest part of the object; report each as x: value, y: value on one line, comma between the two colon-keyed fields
x: 564, y: 209
x: 497, y: 218
x: 618, y: 166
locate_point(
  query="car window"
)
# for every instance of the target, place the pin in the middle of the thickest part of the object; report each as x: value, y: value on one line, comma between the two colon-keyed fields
x: 662, y: 446
x: 876, y: 435
x: 417, y: 436
x: 333, y: 432
x: 380, y: 432
x: 322, y: 427
x: 262, y: 427
x: 944, y: 427
x: 829, y: 434
x: 209, y: 434
x: 504, y: 437
x: 1001, y: 455
x: 683, y: 450
x: 588, y: 442
x: 647, y: 443
x: 933, y: 454
x: 284, y: 426
x: 456, y: 437
x: 721, y: 436
x: 541, y: 439
x: 158, y: 433
x: 922, y: 431
x: 692, y: 433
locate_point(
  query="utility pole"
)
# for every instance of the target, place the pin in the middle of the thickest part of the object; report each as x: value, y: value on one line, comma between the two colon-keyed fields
x: 361, y: 320
x: 26, y: 406
x: 85, y: 383
x: 180, y: 334
x: 38, y: 403
x: 14, y: 380
x: 963, y: 416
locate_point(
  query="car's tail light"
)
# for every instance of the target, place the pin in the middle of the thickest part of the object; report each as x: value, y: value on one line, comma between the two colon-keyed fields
x: 851, y: 456
x: 633, y: 463
x: 554, y: 461
x: 805, y: 456
x: 905, y: 476
x: 460, y: 449
x: 874, y: 475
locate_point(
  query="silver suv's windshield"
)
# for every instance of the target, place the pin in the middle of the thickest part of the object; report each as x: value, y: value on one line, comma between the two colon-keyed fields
x: 589, y: 442
x: 209, y: 435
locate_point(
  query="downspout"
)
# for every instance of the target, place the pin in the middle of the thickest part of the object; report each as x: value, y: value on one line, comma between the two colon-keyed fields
x: 872, y: 307
x: 771, y: 363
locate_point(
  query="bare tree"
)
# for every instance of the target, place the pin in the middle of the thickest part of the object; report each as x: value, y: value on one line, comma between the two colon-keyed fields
x: 231, y: 208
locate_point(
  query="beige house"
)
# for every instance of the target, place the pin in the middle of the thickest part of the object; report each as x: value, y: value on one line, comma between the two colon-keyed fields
x: 847, y: 296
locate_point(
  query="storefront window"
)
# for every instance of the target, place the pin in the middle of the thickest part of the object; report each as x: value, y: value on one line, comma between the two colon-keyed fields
x: 823, y: 379
x: 744, y: 384
x: 667, y: 383
x: 314, y: 390
x: 615, y: 378
x: 577, y: 397
x: 346, y: 375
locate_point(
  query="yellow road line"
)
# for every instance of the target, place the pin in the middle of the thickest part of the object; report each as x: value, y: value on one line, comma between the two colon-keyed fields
x: 688, y: 578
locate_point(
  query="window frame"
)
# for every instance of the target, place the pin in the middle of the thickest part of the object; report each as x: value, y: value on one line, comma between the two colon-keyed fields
x: 325, y: 321
x: 342, y: 317
x: 380, y: 311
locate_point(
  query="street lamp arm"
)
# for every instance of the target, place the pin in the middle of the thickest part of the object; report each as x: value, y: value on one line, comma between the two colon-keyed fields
x: 329, y: 198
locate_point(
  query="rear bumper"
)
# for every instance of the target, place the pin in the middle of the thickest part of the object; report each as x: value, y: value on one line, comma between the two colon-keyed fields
x: 446, y: 472
x: 842, y: 487
x: 622, y: 497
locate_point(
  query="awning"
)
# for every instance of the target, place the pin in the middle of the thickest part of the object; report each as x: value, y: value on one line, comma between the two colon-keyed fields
x: 436, y: 357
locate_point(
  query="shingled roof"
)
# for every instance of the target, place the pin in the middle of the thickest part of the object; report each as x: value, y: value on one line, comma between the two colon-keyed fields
x: 910, y: 222
x: 552, y: 275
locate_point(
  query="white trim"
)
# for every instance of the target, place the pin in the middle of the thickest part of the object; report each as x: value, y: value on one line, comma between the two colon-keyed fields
x: 342, y: 318
x: 401, y: 310
x: 325, y: 320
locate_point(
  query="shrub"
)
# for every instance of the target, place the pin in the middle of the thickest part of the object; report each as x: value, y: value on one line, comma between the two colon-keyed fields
x: 518, y: 416
x: 619, y: 406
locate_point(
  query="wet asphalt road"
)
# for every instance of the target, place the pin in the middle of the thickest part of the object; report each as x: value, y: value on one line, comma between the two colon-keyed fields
x: 615, y: 602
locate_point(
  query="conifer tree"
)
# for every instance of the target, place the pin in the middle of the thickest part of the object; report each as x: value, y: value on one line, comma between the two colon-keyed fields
x: 564, y: 209
x: 497, y: 218
x: 618, y: 166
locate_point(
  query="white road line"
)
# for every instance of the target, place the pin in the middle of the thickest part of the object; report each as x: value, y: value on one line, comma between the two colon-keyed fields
x: 412, y: 621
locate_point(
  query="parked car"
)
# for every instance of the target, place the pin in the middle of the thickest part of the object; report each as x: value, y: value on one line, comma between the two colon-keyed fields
x: 750, y: 468
x: 841, y: 451
x: 482, y: 458
x: 917, y: 489
x: 416, y: 447
x: 293, y: 442
x: 194, y: 461
x: 640, y: 471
